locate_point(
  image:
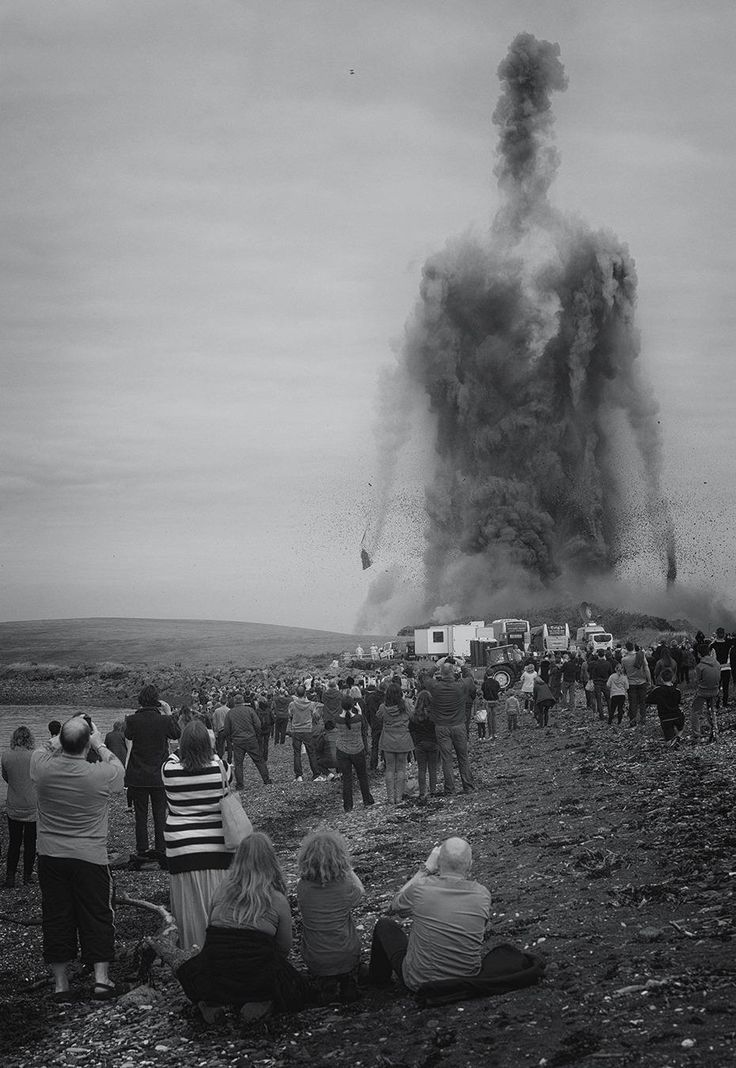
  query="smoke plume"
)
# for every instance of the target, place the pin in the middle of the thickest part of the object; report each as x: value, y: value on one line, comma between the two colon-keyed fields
x: 525, y: 347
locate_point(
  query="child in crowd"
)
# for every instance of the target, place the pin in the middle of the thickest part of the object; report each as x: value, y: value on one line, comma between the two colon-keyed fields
x: 512, y: 708
x: 667, y: 699
x: 528, y: 677
x: 481, y: 718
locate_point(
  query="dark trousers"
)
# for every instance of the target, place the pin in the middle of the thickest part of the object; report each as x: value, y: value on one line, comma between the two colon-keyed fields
x: 21, y: 833
x: 426, y: 754
x: 541, y: 711
x: 221, y: 743
x: 279, y: 731
x: 375, y: 743
x: 638, y: 703
x: 297, y: 740
x: 239, y: 752
x: 264, y: 746
x: 76, y: 902
x: 616, y: 707
x: 449, y: 739
x: 388, y: 949
x: 601, y: 698
x: 345, y: 764
x: 141, y: 795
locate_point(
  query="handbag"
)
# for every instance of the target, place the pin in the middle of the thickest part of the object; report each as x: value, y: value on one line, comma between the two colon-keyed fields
x: 590, y: 686
x: 236, y: 824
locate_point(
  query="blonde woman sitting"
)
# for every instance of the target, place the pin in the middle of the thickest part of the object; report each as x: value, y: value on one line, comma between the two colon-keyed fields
x: 328, y: 890
x: 243, y: 962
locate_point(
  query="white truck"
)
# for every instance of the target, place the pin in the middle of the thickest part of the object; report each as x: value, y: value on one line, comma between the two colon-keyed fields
x: 593, y: 637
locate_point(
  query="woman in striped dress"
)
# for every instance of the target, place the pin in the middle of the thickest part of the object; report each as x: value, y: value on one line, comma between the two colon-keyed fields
x: 195, y: 841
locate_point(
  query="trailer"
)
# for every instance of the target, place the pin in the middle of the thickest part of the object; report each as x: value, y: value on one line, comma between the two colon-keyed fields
x: 448, y: 640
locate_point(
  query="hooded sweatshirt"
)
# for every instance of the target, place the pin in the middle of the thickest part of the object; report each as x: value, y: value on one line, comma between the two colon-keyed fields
x: 708, y: 676
x: 300, y: 716
x: 395, y: 737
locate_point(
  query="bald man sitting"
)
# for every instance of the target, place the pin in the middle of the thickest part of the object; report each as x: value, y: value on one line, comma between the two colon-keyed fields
x: 451, y: 913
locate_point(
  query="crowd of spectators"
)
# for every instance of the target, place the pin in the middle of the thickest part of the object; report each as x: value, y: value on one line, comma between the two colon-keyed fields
x: 232, y: 916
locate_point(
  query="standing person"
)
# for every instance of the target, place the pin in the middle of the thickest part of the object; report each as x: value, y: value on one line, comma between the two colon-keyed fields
x: 331, y: 701
x: 115, y: 741
x: 512, y: 709
x: 424, y: 737
x: 667, y: 699
x: 280, y: 705
x: 708, y: 681
x: 569, y: 676
x: 20, y: 806
x: 219, y: 715
x: 528, y: 677
x: 396, y: 742
x: 327, y: 892
x: 599, y: 668
x: 471, y: 692
x: 617, y: 686
x: 243, y: 735
x: 301, y: 730
x: 149, y: 732
x: 543, y: 700
x: 555, y: 678
x: 73, y: 873
x: 637, y: 672
x: 491, y: 690
x: 721, y: 648
x: 194, y: 780
x: 351, y: 753
x: 265, y: 715
x: 447, y: 712
x: 373, y: 702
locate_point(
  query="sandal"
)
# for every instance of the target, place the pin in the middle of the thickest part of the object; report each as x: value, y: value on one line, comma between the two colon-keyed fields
x: 62, y: 997
x: 104, y: 991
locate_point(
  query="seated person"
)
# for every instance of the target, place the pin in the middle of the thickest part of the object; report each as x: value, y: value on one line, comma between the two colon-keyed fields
x: 450, y: 912
x: 328, y: 890
x: 243, y: 961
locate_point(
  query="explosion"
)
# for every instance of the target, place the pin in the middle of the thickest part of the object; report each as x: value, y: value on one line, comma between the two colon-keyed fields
x: 525, y: 347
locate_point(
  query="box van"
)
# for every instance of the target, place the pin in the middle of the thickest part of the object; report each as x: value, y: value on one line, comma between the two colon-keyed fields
x: 594, y: 637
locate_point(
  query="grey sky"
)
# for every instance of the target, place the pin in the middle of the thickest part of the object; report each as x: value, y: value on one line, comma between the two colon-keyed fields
x: 212, y: 233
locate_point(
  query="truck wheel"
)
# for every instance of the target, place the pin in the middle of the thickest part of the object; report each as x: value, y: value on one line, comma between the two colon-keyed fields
x: 504, y: 676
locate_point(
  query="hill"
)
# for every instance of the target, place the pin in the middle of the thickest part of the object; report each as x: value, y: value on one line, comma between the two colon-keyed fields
x: 167, y: 641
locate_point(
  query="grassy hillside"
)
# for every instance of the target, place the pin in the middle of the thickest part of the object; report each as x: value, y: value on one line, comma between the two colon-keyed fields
x: 166, y: 641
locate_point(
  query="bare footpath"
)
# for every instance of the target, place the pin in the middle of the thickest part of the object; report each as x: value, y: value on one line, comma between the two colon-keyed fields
x: 607, y: 854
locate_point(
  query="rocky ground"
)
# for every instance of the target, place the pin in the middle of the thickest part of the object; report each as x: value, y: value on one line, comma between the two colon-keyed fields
x: 606, y: 853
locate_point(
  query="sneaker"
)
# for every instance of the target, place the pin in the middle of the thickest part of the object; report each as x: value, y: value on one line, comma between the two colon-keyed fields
x: 319, y: 778
x: 298, y: 779
x: 331, y: 776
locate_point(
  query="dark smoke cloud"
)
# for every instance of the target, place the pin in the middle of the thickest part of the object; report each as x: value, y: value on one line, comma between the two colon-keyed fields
x: 525, y: 346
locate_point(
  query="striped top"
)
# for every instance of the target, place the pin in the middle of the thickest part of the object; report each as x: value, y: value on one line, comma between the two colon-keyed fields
x: 195, y: 840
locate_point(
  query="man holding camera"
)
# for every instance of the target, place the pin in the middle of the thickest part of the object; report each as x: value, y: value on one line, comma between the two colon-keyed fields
x: 73, y: 873
x: 450, y: 912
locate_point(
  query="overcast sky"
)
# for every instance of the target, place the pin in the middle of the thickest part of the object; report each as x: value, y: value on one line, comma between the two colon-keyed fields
x: 213, y: 217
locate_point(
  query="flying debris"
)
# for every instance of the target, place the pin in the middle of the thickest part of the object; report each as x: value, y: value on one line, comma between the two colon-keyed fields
x: 365, y: 557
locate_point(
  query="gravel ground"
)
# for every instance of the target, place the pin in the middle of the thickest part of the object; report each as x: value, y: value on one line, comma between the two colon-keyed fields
x: 605, y: 853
